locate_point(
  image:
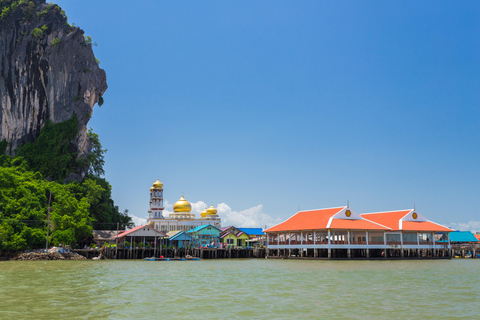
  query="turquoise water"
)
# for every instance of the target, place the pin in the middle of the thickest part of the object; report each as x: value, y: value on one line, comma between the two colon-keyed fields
x: 240, y: 289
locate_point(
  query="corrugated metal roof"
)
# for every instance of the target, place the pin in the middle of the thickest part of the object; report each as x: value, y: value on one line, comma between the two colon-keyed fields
x: 196, y: 229
x: 252, y: 231
x: 462, y: 236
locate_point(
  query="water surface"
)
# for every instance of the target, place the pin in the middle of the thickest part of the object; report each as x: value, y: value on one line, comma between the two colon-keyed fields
x: 240, y: 289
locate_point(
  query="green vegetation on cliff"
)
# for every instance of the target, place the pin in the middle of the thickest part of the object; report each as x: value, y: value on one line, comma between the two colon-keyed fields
x: 73, y: 209
x: 51, y: 154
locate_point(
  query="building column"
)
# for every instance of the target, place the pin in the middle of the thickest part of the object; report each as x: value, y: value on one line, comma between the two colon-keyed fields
x: 329, y: 246
x: 385, y: 252
x: 366, y: 238
x: 434, y: 247
x: 418, y: 244
x: 266, y: 250
x: 349, y: 253
x: 449, y: 246
x: 402, y: 252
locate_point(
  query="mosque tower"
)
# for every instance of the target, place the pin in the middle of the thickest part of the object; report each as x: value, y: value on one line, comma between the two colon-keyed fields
x: 156, y: 201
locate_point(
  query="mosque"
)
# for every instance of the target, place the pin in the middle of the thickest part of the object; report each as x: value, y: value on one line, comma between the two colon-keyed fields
x: 182, y: 218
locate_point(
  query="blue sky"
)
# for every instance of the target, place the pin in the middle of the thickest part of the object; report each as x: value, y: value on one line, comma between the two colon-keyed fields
x: 265, y: 107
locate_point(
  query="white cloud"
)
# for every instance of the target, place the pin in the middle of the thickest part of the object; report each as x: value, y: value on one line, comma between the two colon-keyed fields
x: 138, y: 221
x: 250, y: 218
x: 473, y: 226
x: 197, y: 207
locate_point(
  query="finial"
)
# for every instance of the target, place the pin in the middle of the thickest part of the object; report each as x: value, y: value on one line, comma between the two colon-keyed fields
x: 414, y: 206
x: 348, y: 204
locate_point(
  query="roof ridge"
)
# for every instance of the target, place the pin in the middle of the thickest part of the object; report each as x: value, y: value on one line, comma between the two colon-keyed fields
x: 386, y: 211
x: 323, y: 209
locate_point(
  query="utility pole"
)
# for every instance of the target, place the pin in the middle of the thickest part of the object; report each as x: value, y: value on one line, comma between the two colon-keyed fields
x: 48, y: 222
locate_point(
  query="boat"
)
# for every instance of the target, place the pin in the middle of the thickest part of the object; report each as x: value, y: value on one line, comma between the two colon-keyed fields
x: 172, y: 259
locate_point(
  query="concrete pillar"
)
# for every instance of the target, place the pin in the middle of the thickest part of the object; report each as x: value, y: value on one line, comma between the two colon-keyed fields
x: 349, y: 254
x: 329, y: 246
x: 315, y: 253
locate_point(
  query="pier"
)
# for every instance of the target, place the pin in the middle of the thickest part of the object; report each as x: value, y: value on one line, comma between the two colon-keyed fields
x: 203, y: 253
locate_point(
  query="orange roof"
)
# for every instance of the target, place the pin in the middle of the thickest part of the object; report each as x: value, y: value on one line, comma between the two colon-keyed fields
x: 423, y: 226
x: 477, y: 236
x: 357, y: 224
x: 389, y: 219
x: 393, y: 220
x: 319, y: 219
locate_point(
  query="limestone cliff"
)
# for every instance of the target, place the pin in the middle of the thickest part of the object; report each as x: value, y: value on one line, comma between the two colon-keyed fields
x: 47, y: 71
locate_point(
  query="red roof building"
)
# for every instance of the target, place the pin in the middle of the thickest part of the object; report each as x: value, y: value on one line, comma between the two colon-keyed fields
x: 342, y: 232
x: 405, y: 220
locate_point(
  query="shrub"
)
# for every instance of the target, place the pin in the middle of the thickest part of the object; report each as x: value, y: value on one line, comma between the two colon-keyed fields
x: 56, y: 41
x: 39, y: 32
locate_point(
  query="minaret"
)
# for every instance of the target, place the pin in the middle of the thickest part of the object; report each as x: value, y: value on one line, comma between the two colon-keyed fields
x: 156, y: 201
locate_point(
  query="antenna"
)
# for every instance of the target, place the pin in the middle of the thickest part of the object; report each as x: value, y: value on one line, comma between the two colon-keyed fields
x: 348, y: 204
x: 414, y: 206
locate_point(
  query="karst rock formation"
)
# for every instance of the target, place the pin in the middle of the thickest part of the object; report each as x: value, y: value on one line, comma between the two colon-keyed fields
x: 47, y: 72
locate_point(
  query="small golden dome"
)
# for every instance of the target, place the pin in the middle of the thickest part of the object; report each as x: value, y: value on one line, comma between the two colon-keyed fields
x: 151, y: 188
x: 204, y: 212
x: 157, y: 185
x: 211, y: 211
x: 182, y: 205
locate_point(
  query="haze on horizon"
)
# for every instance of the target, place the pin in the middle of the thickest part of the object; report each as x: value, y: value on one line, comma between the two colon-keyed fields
x: 263, y: 107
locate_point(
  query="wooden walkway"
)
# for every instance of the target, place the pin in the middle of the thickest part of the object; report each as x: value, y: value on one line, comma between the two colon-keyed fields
x: 141, y: 253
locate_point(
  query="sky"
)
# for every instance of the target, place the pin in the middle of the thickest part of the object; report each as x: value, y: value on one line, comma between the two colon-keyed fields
x: 262, y: 108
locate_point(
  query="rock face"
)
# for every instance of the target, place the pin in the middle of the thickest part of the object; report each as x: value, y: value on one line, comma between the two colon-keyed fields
x: 47, y: 71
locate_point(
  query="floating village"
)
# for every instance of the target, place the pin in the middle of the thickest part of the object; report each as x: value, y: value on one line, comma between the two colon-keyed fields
x: 330, y: 233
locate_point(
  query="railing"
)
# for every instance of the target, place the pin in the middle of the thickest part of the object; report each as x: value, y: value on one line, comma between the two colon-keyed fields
x: 308, y: 242
x: 375, y: 242
x: 358, y: 242
x: 339, y: 242
x: 392, y: 242
x: 409, y: 243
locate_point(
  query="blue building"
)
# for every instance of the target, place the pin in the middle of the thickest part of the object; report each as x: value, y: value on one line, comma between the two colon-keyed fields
x: 205, y: 236
x: 179, y: 239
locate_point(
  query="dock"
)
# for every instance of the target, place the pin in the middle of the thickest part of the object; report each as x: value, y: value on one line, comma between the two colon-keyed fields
x: 202, y: 253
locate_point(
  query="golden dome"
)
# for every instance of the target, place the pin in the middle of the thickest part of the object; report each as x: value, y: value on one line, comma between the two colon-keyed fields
x: 157, y: 185
x: 182, y: 205
x: 211, y: 211
x: 204, y: 212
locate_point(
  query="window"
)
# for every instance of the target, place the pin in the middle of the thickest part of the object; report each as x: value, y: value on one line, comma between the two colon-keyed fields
x: 230, y: 241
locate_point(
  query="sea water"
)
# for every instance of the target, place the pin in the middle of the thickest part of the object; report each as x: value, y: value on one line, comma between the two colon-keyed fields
x: 240, y: 289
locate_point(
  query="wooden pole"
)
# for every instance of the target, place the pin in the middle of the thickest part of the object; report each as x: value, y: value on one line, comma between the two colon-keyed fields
x: 116, y: 241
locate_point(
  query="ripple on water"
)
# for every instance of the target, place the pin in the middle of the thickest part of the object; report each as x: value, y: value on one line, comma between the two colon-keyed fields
x: 240, y: 289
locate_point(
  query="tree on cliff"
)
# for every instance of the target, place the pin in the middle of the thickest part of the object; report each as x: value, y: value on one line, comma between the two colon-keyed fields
x: 57, y: 171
